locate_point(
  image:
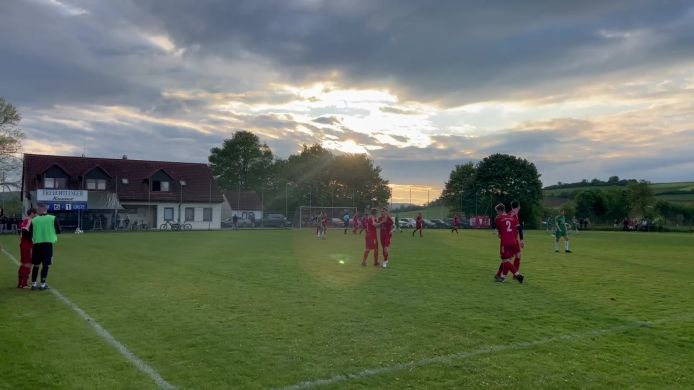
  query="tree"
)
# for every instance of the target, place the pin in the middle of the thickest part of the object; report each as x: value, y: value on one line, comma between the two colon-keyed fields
x: 10, y: 143
x: 590, y: 203
x: 242, y: 161
x: 317, y: 177
x: 613, y: 180
x: 459, y: 182
x: 641, y: 198
x: 503, y: 178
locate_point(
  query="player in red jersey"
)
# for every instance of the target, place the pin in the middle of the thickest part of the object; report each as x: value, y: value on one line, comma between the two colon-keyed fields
x: 508, y: 234
x: 355, y: 222
x: 386, y: 231
x: 456, y: 223
x: 419, y: 225
x: 25, y: 246
x: 323, y: 225
x: 364, y: 220
x: 371, y: 240
x: 520, y: 243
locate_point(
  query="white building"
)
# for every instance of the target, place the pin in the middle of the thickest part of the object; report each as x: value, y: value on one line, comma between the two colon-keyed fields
x: 122, y: 193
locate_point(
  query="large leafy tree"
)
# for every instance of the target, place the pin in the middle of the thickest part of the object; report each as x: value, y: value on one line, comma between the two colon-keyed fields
x: 10, y: 135
x: 459, y: 184
x: 501, y: 178
x: 317, y: 177
x: 641, y: 199
x: 243, y: 162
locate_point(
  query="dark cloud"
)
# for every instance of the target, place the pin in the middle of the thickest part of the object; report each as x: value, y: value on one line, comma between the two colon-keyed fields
x: 328, y: 120
x: 446, y: 50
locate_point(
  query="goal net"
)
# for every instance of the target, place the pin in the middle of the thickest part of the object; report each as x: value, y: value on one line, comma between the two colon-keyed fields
x: 309, y: 216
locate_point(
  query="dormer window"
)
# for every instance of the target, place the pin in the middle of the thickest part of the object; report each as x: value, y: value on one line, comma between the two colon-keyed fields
x: 55, y: 178
x: 161, y: 182
x: 96, y: 179
x: 160, y: 186
x: 96, y: 184
x: 54, y: 182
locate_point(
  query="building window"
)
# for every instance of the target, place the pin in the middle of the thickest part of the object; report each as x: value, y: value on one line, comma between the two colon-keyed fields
x: 207, y: 214
x: 55, y: 182
x: 96, y: 184
x: 160, y: 186
x: 190, y: 214
x: 168, y: 214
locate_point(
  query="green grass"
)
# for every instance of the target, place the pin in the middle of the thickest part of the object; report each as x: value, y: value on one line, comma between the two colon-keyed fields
x: 263, y: 309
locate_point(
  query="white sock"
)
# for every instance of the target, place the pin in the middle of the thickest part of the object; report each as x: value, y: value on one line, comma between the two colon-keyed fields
x: 556, y: 246
x: 567, y: 245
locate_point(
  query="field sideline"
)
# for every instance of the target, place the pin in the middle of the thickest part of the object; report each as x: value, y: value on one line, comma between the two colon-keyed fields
x: 276, y: 309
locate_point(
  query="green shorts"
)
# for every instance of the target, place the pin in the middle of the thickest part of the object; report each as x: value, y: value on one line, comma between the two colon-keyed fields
x: 560, y: 233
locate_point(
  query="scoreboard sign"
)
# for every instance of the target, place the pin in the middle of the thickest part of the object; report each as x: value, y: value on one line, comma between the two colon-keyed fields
x: 63, y: 200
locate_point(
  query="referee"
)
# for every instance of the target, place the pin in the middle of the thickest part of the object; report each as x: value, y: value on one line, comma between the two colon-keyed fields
x: 44, y: 232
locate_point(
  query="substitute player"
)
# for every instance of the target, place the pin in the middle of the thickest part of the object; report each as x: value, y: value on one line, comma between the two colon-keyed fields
x: 355, y: 222
x: 25, y: 245
x: 456, y: 223
x: 560, y: 231
x: 419, y: 225
x: 508, y: 236
x: 44, y: 229
x: 371, y: 226
x: 386, y: 231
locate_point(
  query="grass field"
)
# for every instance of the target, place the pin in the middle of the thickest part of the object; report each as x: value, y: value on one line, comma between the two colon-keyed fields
x: 271, y: 309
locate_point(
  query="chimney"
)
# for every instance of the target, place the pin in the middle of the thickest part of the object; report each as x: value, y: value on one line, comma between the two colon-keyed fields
x: 125, y: 157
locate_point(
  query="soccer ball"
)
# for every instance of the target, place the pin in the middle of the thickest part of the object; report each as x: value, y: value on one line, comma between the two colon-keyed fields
x: 79, y: 231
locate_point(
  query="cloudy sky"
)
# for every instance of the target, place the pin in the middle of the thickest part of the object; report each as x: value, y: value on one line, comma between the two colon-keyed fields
x: 583, y: 89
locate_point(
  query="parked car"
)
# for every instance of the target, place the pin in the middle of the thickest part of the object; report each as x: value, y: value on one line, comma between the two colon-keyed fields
x: 440, y: 224
x: 242, y: 223
x: 276, y: 220
x: 428, y: 224
x: 407, y: 223
x: 336, y: 222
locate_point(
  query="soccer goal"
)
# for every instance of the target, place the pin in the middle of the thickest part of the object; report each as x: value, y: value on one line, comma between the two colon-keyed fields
x: 309, y: 216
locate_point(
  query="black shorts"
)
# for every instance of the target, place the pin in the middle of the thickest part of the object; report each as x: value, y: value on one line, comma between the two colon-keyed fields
x: 42, y: 254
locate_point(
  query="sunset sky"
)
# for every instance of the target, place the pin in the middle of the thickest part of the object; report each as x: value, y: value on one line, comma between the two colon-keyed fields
x: 582, y: 89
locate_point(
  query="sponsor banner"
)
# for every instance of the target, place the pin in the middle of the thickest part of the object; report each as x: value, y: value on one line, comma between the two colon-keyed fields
x: 67, y: 206
x: 480, y: 222
x: 62, y: 196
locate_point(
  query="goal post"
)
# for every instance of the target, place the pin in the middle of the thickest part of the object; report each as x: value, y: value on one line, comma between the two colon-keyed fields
x: 308, y: 215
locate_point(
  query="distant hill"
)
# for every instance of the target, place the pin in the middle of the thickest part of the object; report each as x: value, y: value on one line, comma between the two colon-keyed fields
x: 679, y: 192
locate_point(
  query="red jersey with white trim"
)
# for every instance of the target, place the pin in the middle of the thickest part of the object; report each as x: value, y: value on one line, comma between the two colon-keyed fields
x: 386, y: 226
x: 419, y: 222
x: 507, y: 226
x: 370, y: 226
x: 324, y: 221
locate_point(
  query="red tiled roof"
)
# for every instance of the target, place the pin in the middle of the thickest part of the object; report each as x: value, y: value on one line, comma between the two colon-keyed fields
x: 244, y: 200
x: 200, y: 185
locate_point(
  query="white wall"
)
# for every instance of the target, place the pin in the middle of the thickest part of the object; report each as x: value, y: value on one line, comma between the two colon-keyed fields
x: 198, y: 223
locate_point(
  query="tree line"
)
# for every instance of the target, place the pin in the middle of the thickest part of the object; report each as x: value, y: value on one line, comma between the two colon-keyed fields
x: 611, y: 181
x: 636, y: 200
x: 315, y: 176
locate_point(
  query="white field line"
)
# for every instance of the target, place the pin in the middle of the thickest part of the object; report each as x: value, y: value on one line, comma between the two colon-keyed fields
x: 446, y: 359
x: 137, y: 362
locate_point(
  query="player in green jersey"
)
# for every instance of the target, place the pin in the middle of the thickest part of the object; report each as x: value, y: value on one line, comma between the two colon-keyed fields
x: 561, y: 231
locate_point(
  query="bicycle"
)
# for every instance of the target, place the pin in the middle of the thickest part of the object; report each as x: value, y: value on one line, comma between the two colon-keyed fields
x: 175, y: 226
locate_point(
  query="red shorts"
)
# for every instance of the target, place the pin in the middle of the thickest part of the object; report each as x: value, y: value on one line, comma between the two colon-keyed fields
x: 385, y: 241
x: 508, y: 251
x: 517, y: 247
x: 371, y: 242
